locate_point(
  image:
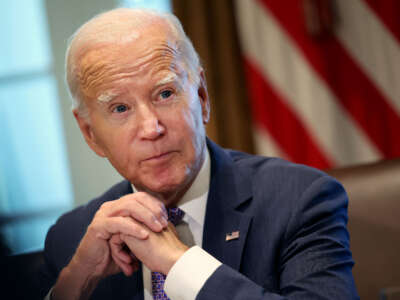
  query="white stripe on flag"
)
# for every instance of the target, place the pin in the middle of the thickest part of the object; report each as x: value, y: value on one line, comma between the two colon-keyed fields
x: 282, y: 63
x: 265, y: 144
x: 372, y: 46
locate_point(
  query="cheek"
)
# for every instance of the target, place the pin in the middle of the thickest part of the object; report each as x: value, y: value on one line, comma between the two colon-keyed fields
x: 192, y: 113
x: 193, y: 131
x: 187, y: 126
x: 197, y: 121
x: 115, y: 143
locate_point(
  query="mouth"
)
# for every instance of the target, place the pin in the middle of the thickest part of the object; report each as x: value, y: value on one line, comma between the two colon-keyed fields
x: 159, y: 157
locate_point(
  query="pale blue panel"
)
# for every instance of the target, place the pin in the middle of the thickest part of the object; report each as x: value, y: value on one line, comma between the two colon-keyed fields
x: 28, y: 235
x: 33, y: 161
x: 160, y: 5
x: 23, y: 30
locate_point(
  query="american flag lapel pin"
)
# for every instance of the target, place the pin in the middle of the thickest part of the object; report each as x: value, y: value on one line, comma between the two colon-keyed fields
x: 234, y: 235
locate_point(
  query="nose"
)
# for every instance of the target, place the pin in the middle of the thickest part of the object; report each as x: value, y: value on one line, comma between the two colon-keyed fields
x: 150, y: 126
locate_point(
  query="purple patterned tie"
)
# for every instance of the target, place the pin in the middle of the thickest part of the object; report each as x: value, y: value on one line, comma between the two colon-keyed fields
x: 175, y: 216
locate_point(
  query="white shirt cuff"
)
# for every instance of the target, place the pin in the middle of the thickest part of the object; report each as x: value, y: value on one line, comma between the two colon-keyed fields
x: 188, y: 275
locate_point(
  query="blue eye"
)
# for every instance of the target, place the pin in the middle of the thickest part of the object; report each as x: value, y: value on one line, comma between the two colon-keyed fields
x: 166, y: 94
x: 120, y: 108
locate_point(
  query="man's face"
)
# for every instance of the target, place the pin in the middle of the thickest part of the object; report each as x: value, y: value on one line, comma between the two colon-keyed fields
x: 145, y: 115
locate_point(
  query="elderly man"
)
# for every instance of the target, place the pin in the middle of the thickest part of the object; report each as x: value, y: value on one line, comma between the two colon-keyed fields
x: 241, y: 226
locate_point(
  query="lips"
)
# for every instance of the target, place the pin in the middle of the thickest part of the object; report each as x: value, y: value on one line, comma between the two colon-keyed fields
x: 159, y: 157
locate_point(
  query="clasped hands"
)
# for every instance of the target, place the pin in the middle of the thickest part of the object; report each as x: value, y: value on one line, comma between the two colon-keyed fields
x: 125, y: 231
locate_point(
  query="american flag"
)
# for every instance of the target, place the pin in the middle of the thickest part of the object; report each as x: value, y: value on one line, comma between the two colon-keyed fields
x: 324, y: 78
x: 234, y: 235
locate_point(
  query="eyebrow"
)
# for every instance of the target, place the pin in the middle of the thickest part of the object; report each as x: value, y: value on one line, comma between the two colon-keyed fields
x: 167, y: 79
x: 107, y: 96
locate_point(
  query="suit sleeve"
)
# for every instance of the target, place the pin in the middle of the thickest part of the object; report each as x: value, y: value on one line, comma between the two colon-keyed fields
x: 47, y: 273
x: 315, y: 261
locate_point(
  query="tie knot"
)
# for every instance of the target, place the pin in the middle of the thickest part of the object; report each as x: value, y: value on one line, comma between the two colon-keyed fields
x: 175, y: 215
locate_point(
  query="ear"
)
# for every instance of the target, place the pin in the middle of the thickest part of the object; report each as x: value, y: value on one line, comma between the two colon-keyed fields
x: 203, y: 96
x: 87, y: 132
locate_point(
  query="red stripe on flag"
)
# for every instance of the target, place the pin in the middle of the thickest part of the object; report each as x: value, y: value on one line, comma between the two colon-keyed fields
x: 355, y: 91
x: 271, y: 111
x: 388, y: 12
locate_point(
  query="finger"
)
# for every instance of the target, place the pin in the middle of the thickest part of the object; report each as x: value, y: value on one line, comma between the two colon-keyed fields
x: 128, y: 239
x: 106, y: 227
x: 135, y: 265
x: 121, y: 259
x: 154, y: 217
x: 156, y: 206
x: 118, y: 249
x: 125, y: 268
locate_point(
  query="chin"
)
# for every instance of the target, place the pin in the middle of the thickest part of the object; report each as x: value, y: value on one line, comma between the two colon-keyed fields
x: 171, y: 180
x: 165, y: 188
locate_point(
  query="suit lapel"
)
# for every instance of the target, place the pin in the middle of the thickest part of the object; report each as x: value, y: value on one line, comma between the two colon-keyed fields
x: 229, y: 189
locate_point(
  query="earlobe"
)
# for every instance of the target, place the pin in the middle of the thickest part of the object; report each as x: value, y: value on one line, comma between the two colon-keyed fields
x: 203, y: 96
x: 87, y: 132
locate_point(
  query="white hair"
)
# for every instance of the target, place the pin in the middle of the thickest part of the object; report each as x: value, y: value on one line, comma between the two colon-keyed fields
x: 119, y: 26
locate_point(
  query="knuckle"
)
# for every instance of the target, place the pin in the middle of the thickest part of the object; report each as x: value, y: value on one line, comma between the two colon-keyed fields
x: 136, y: 229
x: 132, y: 209
x: 92, y: 228
x: 132, y: 198
x: 105, y: 206
x: 139, y: 194
x: 127, y: 197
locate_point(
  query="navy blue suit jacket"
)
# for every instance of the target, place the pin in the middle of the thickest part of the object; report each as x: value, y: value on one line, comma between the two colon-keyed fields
x: 293, y: 241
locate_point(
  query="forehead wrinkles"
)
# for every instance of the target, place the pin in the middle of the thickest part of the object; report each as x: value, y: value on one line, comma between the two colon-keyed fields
x: 92, y: 69
x: 164, y: 58
x: 102, y: 68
